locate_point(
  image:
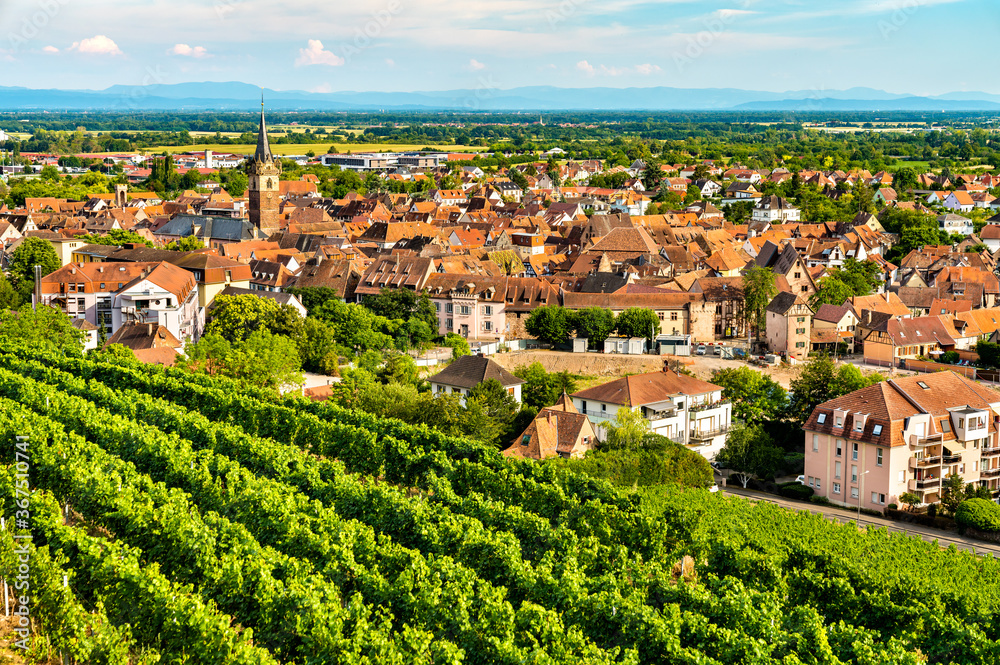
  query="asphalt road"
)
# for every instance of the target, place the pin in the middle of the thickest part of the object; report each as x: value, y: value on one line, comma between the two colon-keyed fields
x: 844, y: 516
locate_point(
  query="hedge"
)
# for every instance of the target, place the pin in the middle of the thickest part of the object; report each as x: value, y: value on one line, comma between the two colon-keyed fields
x: 795, y: 491
x: 978, y: 514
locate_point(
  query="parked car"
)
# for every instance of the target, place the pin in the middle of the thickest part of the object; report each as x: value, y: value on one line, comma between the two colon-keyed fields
x: 701, y: 350
x: 714, y: 488
x: 801, y: 480
x: 716, y: 350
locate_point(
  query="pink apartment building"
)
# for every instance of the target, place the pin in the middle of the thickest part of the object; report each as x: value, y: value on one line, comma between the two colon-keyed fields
x: 903, y: 435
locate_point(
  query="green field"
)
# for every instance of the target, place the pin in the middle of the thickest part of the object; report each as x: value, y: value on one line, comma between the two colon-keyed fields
x: 303, y: 148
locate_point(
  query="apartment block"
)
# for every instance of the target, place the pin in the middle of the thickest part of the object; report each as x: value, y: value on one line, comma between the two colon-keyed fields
x: 904, y: 435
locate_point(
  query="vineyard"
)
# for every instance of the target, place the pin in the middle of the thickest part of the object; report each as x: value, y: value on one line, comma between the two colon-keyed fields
x: 182, y: 518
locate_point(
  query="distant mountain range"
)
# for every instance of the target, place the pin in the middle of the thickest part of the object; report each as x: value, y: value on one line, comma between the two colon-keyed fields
x: 235, y: 96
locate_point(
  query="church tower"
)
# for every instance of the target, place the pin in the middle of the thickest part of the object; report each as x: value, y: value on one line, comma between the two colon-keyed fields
x: 263, y: 173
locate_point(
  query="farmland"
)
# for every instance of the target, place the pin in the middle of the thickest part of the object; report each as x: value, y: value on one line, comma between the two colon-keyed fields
x: 303, y: 148
x: 196, y: 520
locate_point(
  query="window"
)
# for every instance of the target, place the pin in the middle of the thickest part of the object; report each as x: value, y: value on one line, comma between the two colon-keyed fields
x: 801, y: 319
x: 800, y: 331
x: 818, y: 484
x: 437, y: 307
x: 854, y: 473
x: 961, y: 422
x: 660, y: 315
x: 854, y: 493
x: 804, y: 289
x: 583, y: 406
x: 922, y: 385
x: 836, y: 488
x: 811, y: 483
x: 488, y: 325
x: 877, y: 430
x: 840, y: 447
x: 449, y: 324
x: 798, y: 275
x: 79, y: 287
x: 821, y: 418
x: 464, y: 310
x: 488, y: 310
x: 840, y: 421
x: 874, y: 497
x: 673, y: 316
x: 604, y: 408
x: 72, y: 288
x: 800, y: 345
x: 854, y: 451
x: 815, y: 443
x: 102, y: 286
x: 836, y: 469
x: 878, y: 456
x: 449, y: 308
x: 859, y: 424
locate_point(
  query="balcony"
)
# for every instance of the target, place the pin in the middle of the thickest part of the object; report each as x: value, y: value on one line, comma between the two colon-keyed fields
x: 596, y: 414
x: 705, y: 435
x: 660, y: 415
x: 928, y: 439
x: 952, y: 459
x: 924, y: 462
x: 991, y: 452
x: 990, y: 473
x: 705, y: 407
x: 924, y: 484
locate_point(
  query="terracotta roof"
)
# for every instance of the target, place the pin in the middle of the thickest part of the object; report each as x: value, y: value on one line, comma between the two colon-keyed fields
x: 888, y: 403
x: 641, y: 389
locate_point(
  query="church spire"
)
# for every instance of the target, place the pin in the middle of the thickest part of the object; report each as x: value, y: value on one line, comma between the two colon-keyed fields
x: 263, y: 153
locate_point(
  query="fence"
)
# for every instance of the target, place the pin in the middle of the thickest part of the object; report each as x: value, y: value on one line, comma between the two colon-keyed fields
x: 926, y: 367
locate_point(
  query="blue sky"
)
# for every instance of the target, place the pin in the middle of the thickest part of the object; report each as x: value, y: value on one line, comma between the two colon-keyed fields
x: 902, y: 46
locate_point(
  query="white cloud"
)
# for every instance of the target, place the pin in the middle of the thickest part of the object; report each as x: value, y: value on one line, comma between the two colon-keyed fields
x: 315, y: 55
x: 322, y: 87
x: 475, y: 65
x: 604, y: 70
x: 189, y: 51
x: 99, y: 45
x: 726, y: 14
x: 390, y: 62
x: 50, y: 49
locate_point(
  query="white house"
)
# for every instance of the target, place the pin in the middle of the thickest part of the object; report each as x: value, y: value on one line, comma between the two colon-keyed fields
x: 682, y: 408
x: 775, y: 209
x: 953, y: 223
x: 468, y: 372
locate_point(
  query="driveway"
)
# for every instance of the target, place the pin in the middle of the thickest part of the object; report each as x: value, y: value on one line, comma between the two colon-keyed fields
x: 844, y: 516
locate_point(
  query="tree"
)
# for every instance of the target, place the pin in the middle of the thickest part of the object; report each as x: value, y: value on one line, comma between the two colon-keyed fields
x: 652, y: 175
x: 910, y: 499
x: 550, y: 323
x: 31, y: 252
x: 188, y: 244
x: 399, y: 368
x: 750, y: 452
x: 759, y: 290
x: 236, y: 317
x: 638, y: 322
x: 9, y: 296
x: 821, y: 380
x: 952, y: 493
x: 500, y: 405
x: 856, y: 278
x: 628, y: 431
x: 595, y: 324
x: 113, y: 353
x: 261, y: 359
x: 117, y: 237
x: 236, y: 184
x: 458, y: 344
x: 43, y: 325
x: 831, y: 291
x: 755, y: 396
x: 541, y: 388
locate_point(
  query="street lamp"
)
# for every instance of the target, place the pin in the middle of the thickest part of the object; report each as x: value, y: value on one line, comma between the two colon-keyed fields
x: 860, y: 486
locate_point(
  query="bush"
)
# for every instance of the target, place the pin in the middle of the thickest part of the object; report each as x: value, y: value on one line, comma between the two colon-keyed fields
x: 892, y: 506
x: 819, y: 499
x: 796, y: 491
x: 979, y: 514
x: 932, y: 510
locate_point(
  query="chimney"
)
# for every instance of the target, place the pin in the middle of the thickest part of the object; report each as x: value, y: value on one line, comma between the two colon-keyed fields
x: 149, y: 329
